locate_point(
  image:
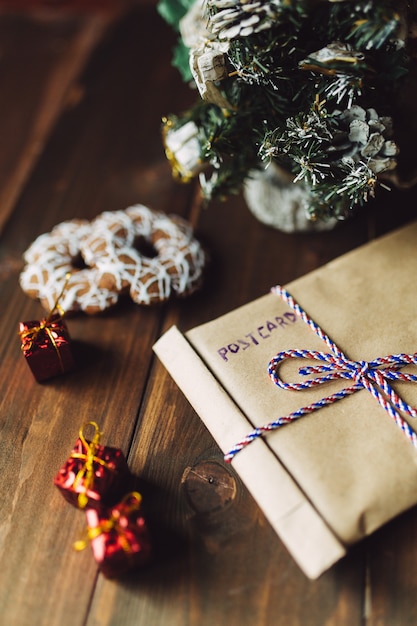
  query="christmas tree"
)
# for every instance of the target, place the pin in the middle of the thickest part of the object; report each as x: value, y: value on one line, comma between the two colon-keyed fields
x: 311, y: 85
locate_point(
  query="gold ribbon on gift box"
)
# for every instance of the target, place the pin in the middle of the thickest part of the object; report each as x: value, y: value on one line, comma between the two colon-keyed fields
x: 86, y: 473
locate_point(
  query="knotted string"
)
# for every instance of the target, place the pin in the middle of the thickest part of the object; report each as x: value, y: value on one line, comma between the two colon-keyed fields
x: 370, y: 375
x: 113, y: 522
x: 86, y: 473
x: 30, y: 335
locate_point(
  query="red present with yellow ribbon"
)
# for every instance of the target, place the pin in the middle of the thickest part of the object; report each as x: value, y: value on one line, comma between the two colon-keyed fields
x: 94, y: 474
x: 119, y: 536
x: 46, y: 345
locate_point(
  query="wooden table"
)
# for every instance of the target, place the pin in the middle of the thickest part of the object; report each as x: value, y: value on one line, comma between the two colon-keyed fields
x: 82, y: 94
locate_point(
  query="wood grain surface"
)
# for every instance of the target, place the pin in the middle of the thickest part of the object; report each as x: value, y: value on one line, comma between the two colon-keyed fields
x: 81, y: 99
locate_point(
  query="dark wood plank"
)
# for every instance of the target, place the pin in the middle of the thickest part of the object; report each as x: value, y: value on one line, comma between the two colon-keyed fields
x: 100, y: 156
x: 37, y: 81
x: 392, y: 573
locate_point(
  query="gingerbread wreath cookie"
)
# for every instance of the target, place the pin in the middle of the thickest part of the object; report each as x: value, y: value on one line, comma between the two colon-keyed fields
x: 143, y: 252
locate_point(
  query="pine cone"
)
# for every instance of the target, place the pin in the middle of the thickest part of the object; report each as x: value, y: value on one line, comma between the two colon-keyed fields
x: 229, y: 19
x: 366, y: 137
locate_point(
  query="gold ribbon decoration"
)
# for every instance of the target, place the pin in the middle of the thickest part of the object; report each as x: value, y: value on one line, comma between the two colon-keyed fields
x: 86, y: 473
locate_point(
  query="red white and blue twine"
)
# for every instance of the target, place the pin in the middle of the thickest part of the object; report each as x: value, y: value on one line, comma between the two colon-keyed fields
x: 370, y: 375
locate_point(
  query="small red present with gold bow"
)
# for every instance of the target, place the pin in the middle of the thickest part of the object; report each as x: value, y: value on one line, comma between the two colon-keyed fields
x: 46, y: 345
x: 94, y: 474
x: 118, y: 536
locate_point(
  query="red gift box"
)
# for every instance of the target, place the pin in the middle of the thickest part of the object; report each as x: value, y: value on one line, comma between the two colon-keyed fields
x: 93, y: 475
x: 46, y: 345
x: 119, y: 537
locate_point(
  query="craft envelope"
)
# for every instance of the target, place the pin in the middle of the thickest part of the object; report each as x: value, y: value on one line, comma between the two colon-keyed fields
x: 334, y: 476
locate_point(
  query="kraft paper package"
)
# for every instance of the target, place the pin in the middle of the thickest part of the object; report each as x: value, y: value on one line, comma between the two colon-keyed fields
x: 333, y: 476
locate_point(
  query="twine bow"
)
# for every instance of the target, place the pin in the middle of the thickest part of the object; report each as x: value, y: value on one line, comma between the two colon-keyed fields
x: 86, y: 473
x: 370, y: 375
x: 113, y: 522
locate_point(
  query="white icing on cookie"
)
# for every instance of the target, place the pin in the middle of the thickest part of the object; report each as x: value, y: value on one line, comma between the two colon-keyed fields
x: 106, y: 246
